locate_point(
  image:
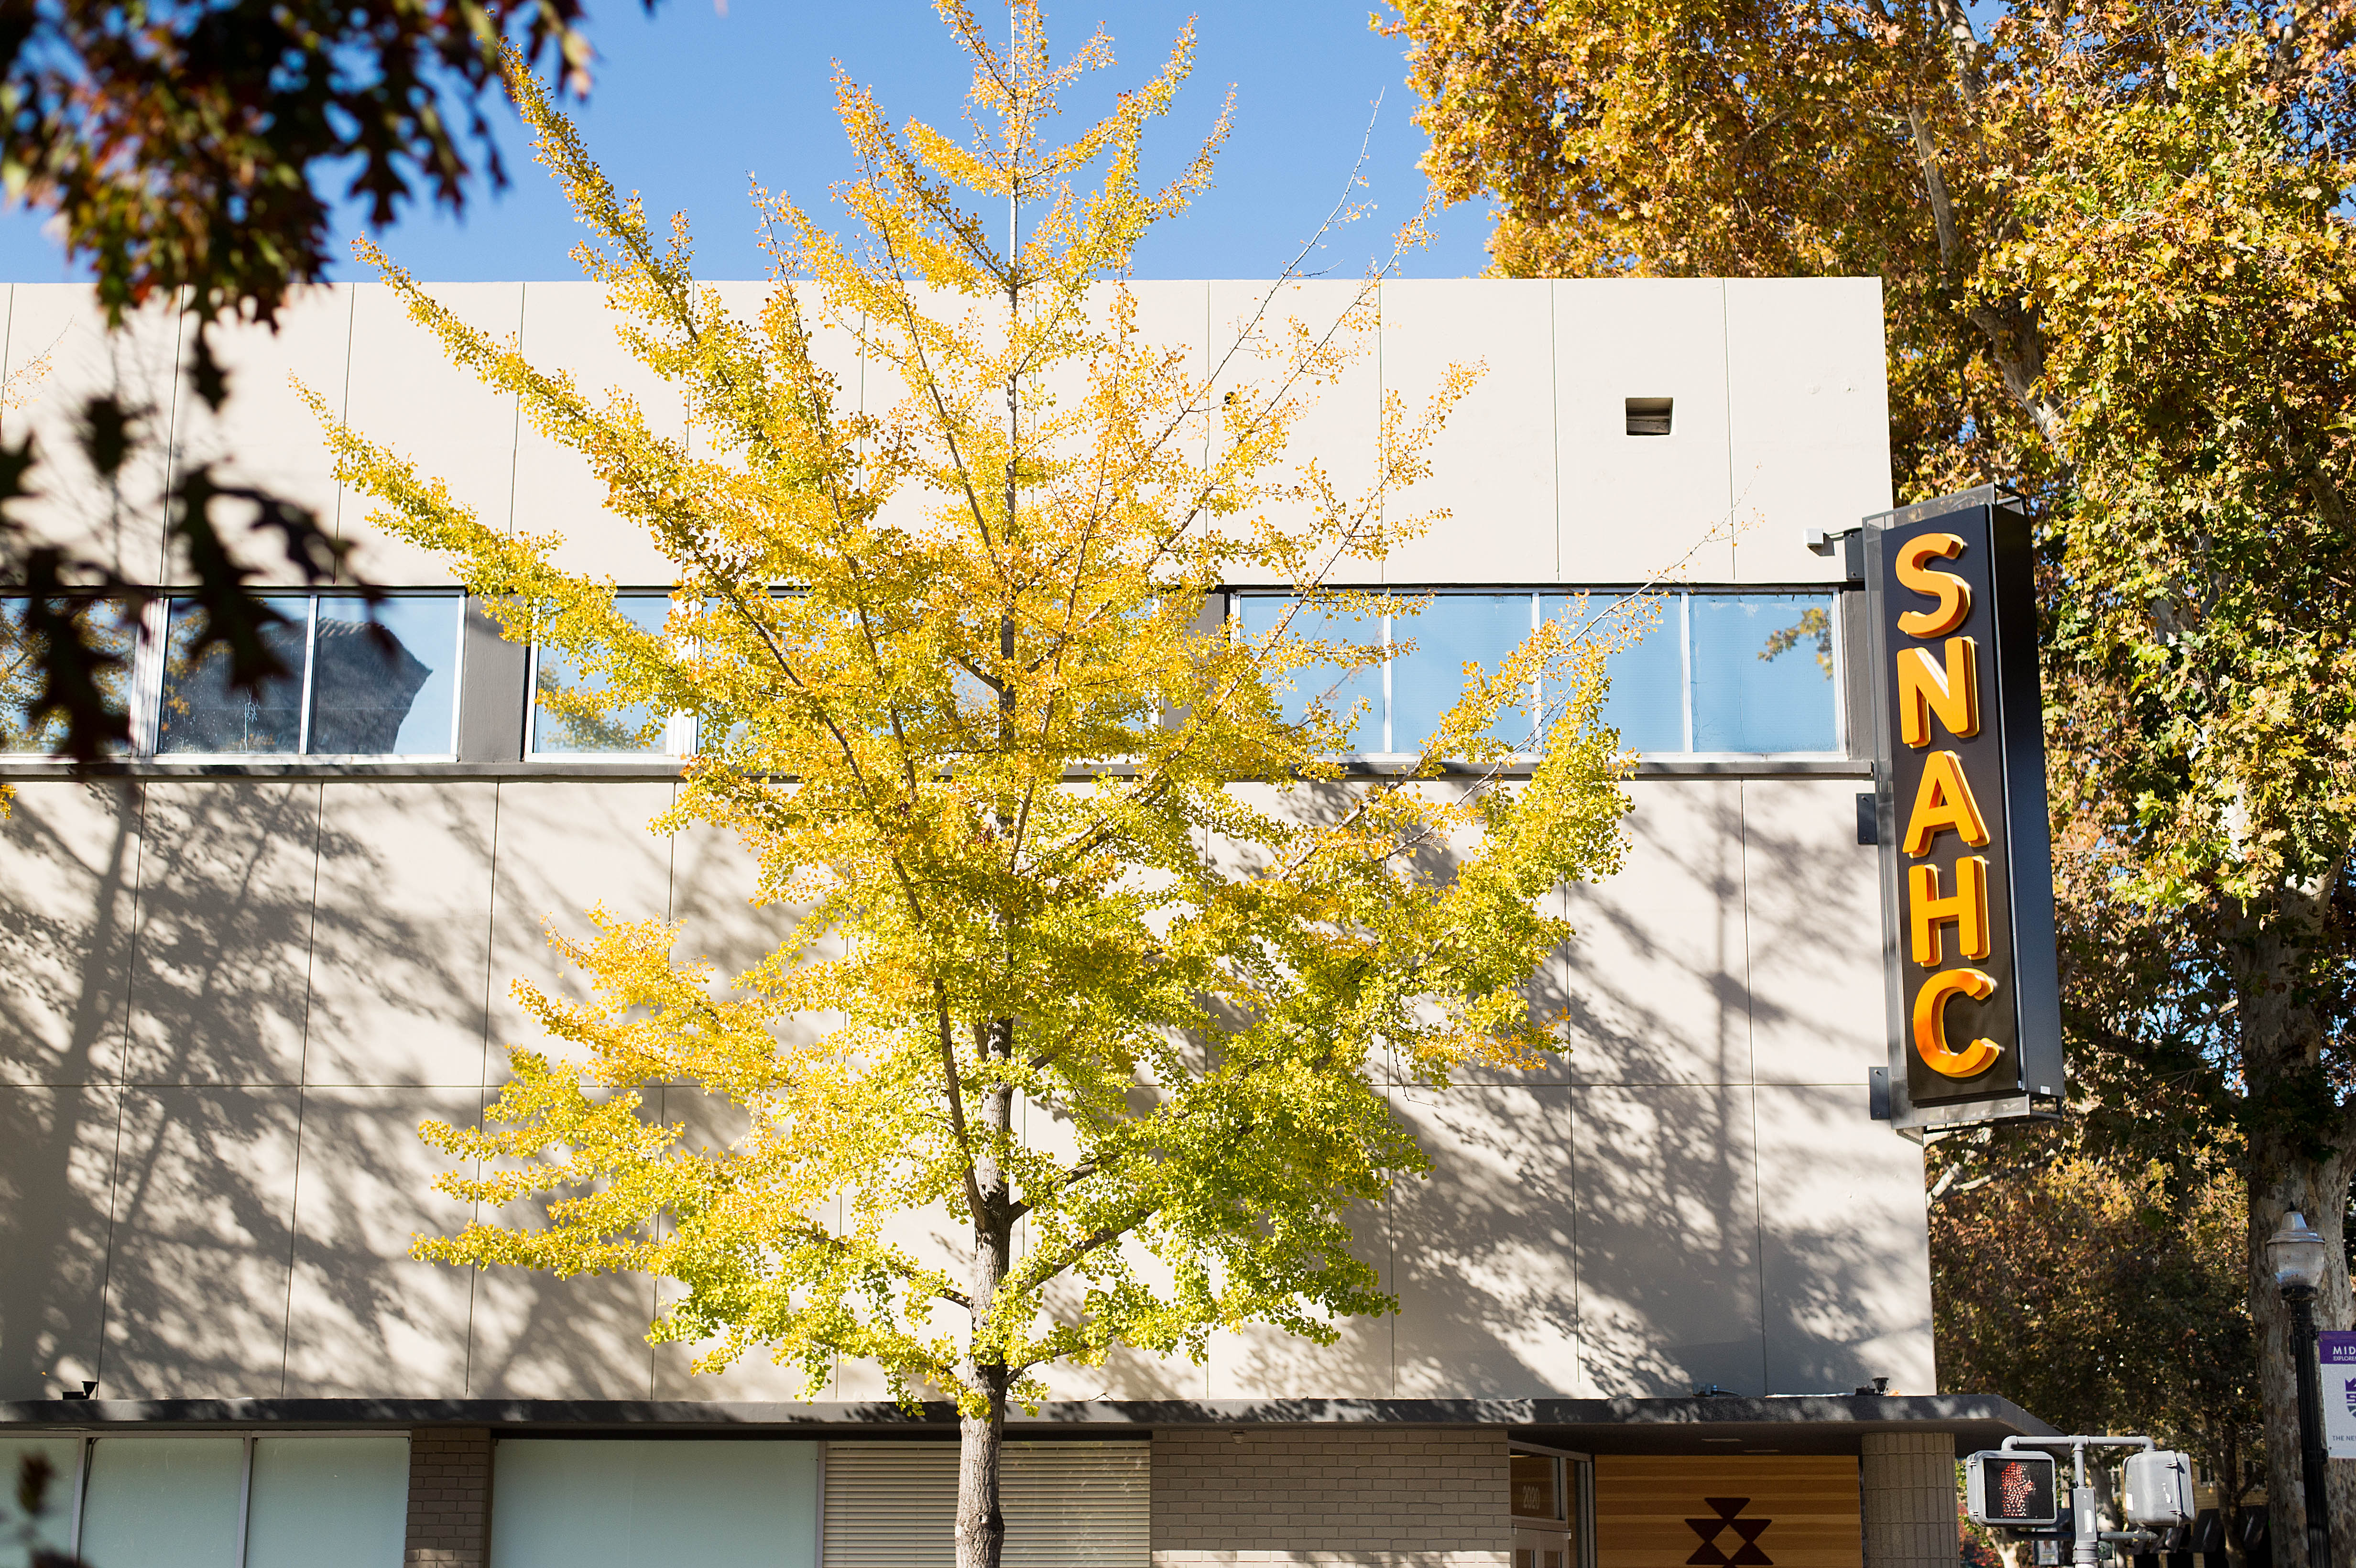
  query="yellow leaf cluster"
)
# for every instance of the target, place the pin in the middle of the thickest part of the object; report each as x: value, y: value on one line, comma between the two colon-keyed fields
x: 1084, y: 948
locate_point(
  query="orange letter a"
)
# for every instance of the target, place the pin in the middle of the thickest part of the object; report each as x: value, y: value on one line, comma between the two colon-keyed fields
x: 1943, y: 799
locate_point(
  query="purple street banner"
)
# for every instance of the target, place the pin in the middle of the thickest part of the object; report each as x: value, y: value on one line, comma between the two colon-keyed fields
x: 2336, y: 1353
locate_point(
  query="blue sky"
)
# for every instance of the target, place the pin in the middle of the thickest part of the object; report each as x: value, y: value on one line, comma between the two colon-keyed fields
x: 690, y: 101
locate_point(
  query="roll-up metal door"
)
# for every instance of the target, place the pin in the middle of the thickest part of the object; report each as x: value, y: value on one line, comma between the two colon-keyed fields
x: 1067, y: 1505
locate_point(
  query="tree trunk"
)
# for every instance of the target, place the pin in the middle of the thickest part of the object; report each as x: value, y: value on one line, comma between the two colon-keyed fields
x: 980, y: 1527
x: 2236, y: 1476
x: 2298, y: 1162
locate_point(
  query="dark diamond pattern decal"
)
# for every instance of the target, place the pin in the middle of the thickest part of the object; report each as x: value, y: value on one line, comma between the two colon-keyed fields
x: 1711, y: 1554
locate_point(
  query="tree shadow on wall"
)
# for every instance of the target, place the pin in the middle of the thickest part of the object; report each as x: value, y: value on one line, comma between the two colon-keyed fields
x: 1609, y: 1237
x: 185, y: 1215
x: 1653, y: 980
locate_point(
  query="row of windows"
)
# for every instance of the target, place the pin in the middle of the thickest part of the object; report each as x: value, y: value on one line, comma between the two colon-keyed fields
x: 235, y: 1501
x: 226, y: 1501
x: 240, y: 1500
x: 1744, y: 673
x: 354, y: 687
x: 1715, y: 673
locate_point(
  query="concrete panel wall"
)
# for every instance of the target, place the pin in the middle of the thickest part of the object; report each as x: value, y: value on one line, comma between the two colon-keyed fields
x: 1808, y: 434
x: 1494, y: 464
x: 1635, y: 507
x: 1487, y: 1270
x: 57, y: 1200
x: 406, y: 394
x: 221, y: 964
x: 265, y: 435
x: 69, y: 881
x: 1668, y: 1240
x: 210, y: 1172
x: 1779, y: 420
x: 1657, y: 987
x: 59, y: 353
x: 303, y: 971
x: 1812, y: 931
x: 543, y: 880
x: 1845, y: 1262
x: 362, y: 1315
x: 200, y: 1241
x: 568, y: 330
x: 400, y: 939
x: 1261, y: 1362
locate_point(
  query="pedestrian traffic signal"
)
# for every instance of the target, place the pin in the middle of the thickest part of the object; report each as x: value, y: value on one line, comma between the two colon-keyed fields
x: 2010, y: 1489
x: 2158, y: 1490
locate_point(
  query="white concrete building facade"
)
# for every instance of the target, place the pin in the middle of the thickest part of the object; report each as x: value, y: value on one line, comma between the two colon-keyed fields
x: 1644, y: 1300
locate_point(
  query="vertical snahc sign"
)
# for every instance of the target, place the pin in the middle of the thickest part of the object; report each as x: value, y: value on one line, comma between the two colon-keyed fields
x: 1966, y: 869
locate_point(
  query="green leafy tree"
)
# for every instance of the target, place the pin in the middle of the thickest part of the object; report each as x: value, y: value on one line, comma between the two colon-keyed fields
x: 2103, y: 1300
x: 1101, y: 961
x: 2117, y: 267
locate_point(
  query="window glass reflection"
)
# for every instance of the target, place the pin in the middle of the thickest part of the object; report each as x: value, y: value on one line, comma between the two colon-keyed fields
x: 1716, y: 672
x: 203, y: 713
x: 389, y: 691
x: 164, y: 1500
x: 1763, y: 672
x: 1341, y: 688
x: 1647, y: 702
x: 105, y: 624
x: 1455, y: 629
x: 636, y: 729
x: 1536, y: 1491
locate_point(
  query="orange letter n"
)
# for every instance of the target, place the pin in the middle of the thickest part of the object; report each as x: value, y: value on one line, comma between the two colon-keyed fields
x: 1952, y: 691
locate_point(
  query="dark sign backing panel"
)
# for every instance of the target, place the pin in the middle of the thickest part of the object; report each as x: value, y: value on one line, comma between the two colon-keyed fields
x: 1967, y: 893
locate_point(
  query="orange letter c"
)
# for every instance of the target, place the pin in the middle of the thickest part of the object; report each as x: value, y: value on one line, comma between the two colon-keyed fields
x: 1931, y: 1024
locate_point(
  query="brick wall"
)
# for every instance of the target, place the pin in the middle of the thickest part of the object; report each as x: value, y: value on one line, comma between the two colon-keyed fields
x: 449, y: 1497
x: 1906, y: 1481
x: 1329, y: 1496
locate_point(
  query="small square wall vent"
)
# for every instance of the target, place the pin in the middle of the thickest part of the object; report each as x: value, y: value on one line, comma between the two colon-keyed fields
x: 1649, y: 416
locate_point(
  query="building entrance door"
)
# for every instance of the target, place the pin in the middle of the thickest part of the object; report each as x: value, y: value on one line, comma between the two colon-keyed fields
x: 1549, y: 1511
x: 1541, y: 1548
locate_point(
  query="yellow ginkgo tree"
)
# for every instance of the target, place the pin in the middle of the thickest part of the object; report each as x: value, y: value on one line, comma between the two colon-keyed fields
x: 1099, y: 960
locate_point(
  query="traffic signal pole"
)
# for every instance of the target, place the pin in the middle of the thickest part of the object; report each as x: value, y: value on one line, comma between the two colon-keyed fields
x: 2085, y: 1503
x: 2086, y: 1514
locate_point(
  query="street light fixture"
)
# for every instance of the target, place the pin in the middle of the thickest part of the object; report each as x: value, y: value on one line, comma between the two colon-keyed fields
x: 2297, y: 1252
x: 2299, y: 1255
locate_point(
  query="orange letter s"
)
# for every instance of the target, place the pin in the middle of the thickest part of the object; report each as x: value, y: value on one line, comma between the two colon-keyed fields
x: 1953, y: 594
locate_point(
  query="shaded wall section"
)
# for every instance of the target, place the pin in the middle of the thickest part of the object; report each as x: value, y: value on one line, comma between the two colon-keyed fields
x: 226, y: 1006
x: 224, y: 1010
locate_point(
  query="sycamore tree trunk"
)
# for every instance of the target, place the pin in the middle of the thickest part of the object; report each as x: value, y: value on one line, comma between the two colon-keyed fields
x: 2302, y: 1144
x: 2299, y: 1161
x: 982, y: 1436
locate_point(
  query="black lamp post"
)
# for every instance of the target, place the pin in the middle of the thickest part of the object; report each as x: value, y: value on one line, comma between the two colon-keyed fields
x: 2298, y: 1256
